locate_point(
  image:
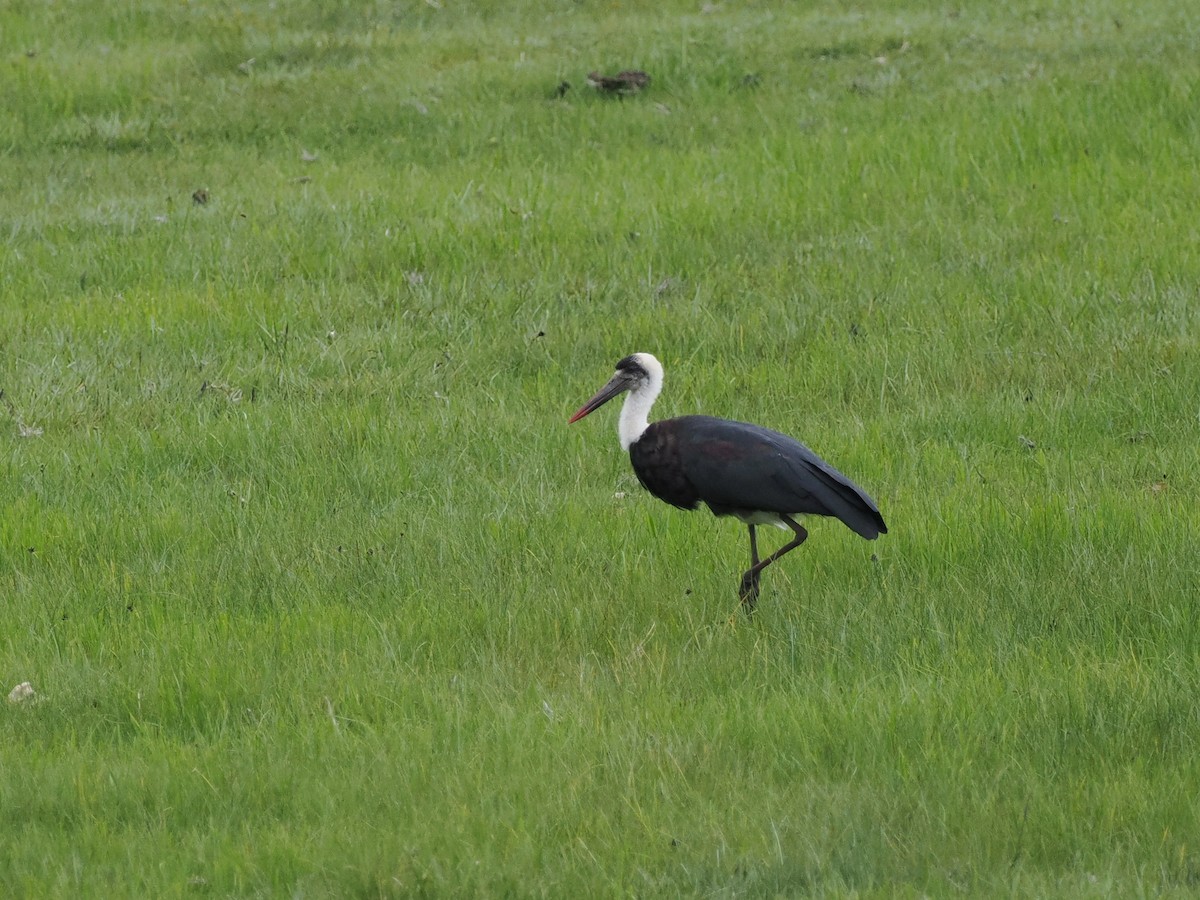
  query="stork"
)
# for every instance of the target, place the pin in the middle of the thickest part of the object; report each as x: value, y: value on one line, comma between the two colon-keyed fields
x: 754, y: 474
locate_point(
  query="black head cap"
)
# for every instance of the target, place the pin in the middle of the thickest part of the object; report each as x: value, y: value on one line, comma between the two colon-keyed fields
x: 631, y: 366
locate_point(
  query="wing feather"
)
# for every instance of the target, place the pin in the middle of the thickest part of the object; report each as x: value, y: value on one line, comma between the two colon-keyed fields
x: 738, y: 467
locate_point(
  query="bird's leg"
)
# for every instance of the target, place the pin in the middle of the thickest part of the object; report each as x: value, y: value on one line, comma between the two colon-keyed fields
x: 749, y: 591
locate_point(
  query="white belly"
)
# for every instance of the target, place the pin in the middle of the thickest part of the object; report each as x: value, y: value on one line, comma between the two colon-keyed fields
x: 764, y: 518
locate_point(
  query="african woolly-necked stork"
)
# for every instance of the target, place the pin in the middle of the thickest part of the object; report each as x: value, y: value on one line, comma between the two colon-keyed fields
x: 752, y: 473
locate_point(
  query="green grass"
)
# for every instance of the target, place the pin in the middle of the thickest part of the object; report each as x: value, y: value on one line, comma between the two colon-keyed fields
x: 321, y: 597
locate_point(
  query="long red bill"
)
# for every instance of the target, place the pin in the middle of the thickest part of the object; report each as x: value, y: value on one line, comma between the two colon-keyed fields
x: 616, y: 385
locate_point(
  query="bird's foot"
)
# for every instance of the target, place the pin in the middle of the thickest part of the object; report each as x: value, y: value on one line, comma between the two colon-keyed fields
x: 748, y: 592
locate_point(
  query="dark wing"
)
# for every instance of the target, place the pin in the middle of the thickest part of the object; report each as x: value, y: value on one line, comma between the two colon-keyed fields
x: 737, y: 467
x: 657, y: 461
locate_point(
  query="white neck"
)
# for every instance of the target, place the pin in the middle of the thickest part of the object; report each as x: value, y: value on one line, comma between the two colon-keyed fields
x: 635, y: 414
x: 635, y: 417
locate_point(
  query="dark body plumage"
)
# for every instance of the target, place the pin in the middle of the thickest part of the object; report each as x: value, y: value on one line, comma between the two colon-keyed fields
x: 759, y: 476
x: 740, y: 469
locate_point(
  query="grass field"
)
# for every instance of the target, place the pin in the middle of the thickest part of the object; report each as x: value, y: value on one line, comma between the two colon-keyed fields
x: 321, y: 597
